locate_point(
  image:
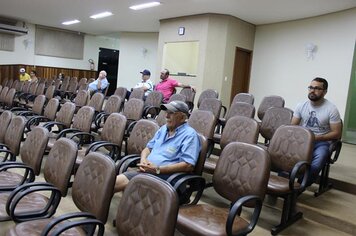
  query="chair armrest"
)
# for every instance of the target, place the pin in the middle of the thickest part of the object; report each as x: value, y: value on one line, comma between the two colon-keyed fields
x: 61, y: 223
x: 236, y: 209
x: 92, y: 145
x: 81, y: 135
x: 28, y: 176
x: 23, y: 190
x: 9, y: 156
x: 64, y: 132
x: 130, y: 127
x: 223, y: 109
x: 126, y: 162
x: 18, y: 109
x: 295, y: 172
x: 335, y: 149
x: 185, y: 184
x: 35, y: 121
x: 49, y: 125
x: 148, y: 109
x: 115, y: 153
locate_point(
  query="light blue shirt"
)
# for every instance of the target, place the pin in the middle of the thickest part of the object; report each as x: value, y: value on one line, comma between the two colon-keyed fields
x: 183, y: 146
x: 94, y: 85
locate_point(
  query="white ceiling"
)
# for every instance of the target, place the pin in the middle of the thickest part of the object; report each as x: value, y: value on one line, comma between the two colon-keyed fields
x: 53, y: 12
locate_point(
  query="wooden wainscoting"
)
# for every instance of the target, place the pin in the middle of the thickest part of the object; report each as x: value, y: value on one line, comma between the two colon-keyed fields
x: 12, y: 72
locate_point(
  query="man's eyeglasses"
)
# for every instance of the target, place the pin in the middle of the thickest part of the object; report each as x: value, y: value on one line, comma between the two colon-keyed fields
x: 315, y: 88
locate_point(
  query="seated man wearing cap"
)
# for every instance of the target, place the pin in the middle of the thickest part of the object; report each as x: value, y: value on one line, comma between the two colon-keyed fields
x: 174, y: 148
x: 146, y: 84
x: 23, y: 75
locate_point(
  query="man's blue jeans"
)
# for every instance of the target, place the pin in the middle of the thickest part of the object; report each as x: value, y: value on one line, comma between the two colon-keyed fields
x: 320, y: 156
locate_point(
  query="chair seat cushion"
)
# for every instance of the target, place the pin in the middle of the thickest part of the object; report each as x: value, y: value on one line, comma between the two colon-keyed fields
x: 206, y: 220
x: 35, y: 227
x: 279, y: 185
x: 31, y: 202
x: 8, y: 178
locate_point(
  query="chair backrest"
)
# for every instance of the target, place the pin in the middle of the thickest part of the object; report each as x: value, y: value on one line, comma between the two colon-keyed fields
x: 83, y: 87
x: 121, y: 92
x: 5, y: 119
x: 133, y: 109
x: 0, y: 88
x: 241, y: 109
x: 33, y: 148
x: 3, y: 94
x: 72, y: 87
x: 49, y: 82
x: 267, y: 102
x: 289, y: 145
x: 64, y: 85
x: 141, y: 134
x: 84, y: 118
x: 113, y: 104
x: 9, y: 83
x: 273, y: 118
x: 33, y: 88
x: 211, y: 104
x: 203, y: 122
x: 177, y: 97
x: 240, y: 129
x: 189, y: 94
x: 9, y: 100
x: 51, y: 109
x: 105, y: 90
x: 14, y: 84
x: 154, y: 99
x: 57, y: 84
x: 19, y: 85
x: 208, y: 93
x: 199, y: 165
x: 97, y: 101
x: 60, y: 163
x: 242, y: 169
x: 137, y: 93
x: 82, y: 98
x: 40, y: 89
x: 91, y: 80
x: 244, y: 97
x: 38, y: 104
x: 66, y: 113
x: 14, y: 134
x: 161, y: 118
x: 93, y: 186
x: 82, y: 81
x: 153, y: 210
x: 114, y: 128
x: 50, y: 92
x: 4, y: 82
x: 26, y: 86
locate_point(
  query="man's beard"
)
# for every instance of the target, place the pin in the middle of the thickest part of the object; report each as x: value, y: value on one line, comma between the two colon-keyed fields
x: 313, y: 97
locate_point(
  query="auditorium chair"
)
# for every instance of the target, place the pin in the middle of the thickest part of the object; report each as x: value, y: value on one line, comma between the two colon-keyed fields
x: 189, y: 93
x: 208, y: 93
x: 267, y: 102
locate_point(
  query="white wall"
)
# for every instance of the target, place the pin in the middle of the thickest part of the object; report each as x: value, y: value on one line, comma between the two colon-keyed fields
x: 280, y: 65
x: 25, y: 55
x: 138, y: 51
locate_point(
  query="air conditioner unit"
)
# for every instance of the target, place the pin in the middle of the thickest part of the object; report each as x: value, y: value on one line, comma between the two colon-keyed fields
x: 10, y: 29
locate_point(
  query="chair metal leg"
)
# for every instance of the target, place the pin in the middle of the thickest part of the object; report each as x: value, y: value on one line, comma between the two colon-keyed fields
x: 324, y: 184
x: 289, y: 214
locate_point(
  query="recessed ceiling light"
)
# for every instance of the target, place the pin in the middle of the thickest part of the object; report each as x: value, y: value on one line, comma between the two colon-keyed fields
x: 145, y: 5
x: 71, y: 22
x: 101, y: 15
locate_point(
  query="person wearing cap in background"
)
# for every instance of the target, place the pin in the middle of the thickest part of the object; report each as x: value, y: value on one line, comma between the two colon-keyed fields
x: 23, y: 75
x: 167, y: 85
x: 174, y: 148
x: 146, y: 84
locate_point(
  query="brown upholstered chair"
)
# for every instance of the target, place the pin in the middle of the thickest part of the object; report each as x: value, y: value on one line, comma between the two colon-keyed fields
x: 133, y: 110
x: 3, y: 95
x: 237, y: 129
x: 81, y: 99
x: 211, y: 104
x: 237, y: 108
x: 161, y: 118
x: 244, y: 97
x: 39, y: 200
x: 49, y: 92
x: 137, y: 93
x: 12, y: 140
x: 121, y: 92
x: 49, y: 114
x: 92, y: 192
x: 110, y: 140
x: 97, y: 101
x: 290, y: 150
x: 273, y: 118
x: 31, y: 153
x: 152, y: 104
x: 9, y: 100
x: 241, y: 177
x: 23, y: 98
x: 57, y: 84
x: 35, y: 110
x: 190, y: 96
x: 5, y: 119
x: 112, y: 105
x: 82, y: 81
x: 156, y: 200
x: 177, y: 97
x: 9, y: 83
x: 267, y: 102
x: 208, y: 93
x: 81, y: 123
x: 63, y: 119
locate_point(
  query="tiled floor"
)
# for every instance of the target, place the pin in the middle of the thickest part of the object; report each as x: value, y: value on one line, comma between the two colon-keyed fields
x: 332, y: 213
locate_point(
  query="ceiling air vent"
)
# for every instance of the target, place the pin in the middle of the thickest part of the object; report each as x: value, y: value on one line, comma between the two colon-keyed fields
x: 11, y: 29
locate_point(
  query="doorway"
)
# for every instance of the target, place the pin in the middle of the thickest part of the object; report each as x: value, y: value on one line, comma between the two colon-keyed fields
x: 242, y: 69
x: 109, y: 61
